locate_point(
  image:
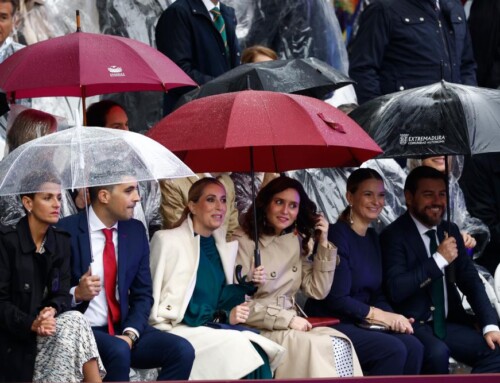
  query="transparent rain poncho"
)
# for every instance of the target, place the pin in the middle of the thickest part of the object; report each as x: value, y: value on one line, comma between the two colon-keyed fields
x: 293, y: 28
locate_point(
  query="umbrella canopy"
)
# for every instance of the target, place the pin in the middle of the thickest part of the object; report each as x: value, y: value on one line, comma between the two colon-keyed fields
x: 89, y: 156
x: 284, y: 131
x: 4, y: 106
x: 305, y: 76
x: 442, y: 118
x: 86, y: 64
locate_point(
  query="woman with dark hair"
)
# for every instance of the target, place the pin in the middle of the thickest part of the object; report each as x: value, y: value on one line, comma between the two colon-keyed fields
x: 381, y: 338
x: 297, y: 255
x: 192, y: 267
x: 39, y: 340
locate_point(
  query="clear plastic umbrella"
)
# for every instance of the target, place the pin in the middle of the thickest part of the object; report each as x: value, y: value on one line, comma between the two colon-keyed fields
x: 88, y: 156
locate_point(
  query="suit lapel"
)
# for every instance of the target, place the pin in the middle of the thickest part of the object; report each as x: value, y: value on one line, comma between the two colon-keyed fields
x: 122, y: 258
x: 414, y: 239
x: 84, y: 244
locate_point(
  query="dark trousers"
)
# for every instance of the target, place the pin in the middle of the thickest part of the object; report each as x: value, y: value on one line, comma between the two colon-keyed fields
x: 173, y: 354
x: 384, y: 353
x: 463, y: 343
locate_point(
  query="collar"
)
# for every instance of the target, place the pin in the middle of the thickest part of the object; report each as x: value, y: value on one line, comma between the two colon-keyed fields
x: 422, y: 229
x: 95, y: 224
x: 26, y: 240
x: 6, y: 43
x: 209, y: 5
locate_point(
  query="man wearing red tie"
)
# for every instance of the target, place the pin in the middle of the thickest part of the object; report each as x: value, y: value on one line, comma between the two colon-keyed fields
x: 112, y: 286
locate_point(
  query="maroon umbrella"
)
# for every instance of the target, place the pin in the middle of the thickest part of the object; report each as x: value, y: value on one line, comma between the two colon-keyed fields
x: 264, y: 131
x: 86, y: 64
x: 284, y: 131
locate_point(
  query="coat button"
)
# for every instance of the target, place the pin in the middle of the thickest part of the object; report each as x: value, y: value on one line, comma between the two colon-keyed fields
x: 421, y: 19
x: 273, y: 274
x: 169, y: 307
x: 459, y: 18
x: 26, y: 286
x: 433, y: 308
x: 294, y: 269
x: 407, y: 20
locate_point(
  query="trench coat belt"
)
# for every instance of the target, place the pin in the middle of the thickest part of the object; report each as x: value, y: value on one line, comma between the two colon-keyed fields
x: 285, y: 302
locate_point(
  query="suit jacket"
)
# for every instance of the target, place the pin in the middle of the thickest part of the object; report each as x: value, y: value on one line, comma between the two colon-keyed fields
x: 134, y: 278
x: 26, y: 286
x: 399, y: 45
x: 409, y: 273
x: 186, y: 34
x: 174, y: 198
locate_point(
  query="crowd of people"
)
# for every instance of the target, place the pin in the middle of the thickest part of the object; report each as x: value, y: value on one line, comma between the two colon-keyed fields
x: 98, y: 281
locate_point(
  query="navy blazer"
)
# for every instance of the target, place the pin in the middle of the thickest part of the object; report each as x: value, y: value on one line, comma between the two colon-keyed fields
x: 409, y: 273
x: 134, y: 276
x: 186, y: 34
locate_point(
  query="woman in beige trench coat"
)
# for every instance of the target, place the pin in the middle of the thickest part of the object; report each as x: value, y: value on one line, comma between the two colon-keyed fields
x: 287, y: 221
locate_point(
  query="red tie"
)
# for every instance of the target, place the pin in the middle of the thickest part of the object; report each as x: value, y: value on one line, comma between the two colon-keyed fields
x: 109, y: 263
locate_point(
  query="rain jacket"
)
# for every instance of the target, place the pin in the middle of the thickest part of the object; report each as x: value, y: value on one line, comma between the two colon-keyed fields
x: 404, y: 44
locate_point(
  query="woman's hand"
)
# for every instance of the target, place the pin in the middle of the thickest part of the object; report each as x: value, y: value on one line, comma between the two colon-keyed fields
x: 322, y: 226
x: 258, y: 275
x: 239, y: 314
x: 396, y: 322
x: 300, y: 324
x: 45, y: 322
x: 469, y: 240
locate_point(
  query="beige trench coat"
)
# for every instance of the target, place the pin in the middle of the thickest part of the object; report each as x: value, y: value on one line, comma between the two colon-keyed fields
x: 219, y: 354
x: 309, y: 354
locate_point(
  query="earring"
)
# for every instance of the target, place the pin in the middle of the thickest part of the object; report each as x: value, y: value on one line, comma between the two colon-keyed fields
x: 295, y: 230
x: 351, y: 221
x: 29, y: 211
x: 378, y: 221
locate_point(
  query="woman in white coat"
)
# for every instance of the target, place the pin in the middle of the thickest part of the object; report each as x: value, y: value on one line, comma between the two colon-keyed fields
x: 192, y: 267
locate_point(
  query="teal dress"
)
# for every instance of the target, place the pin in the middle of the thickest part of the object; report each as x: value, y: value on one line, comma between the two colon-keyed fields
x: 213, y: 299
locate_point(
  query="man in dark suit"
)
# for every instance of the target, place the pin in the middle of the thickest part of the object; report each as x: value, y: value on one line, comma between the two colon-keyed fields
x: 188, y: 33
x: 111, y: 247
x: 415, y: 265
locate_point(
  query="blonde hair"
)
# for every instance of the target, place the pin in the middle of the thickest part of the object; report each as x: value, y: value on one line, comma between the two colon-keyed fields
x: 248, y: 54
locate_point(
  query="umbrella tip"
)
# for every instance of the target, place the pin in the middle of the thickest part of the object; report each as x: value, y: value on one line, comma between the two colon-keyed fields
x: 78, y: 29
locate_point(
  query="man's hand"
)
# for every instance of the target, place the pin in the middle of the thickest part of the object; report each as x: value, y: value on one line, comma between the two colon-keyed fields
x: 448, y: 248
x: 88, y: 287
x: 491, y: 338
x: 469, y: 240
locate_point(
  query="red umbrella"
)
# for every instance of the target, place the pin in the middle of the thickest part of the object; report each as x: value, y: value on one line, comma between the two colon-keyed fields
x: 284, y: 131
x: 263, y: 131
x: 87, y: 64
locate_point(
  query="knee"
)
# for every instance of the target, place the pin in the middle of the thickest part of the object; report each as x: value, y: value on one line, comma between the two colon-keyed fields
x: 184, y: 350
x: 436, y: 359
x: 120, y: 353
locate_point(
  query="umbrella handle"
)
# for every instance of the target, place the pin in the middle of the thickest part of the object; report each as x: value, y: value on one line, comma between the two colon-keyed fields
x: 242, y: 281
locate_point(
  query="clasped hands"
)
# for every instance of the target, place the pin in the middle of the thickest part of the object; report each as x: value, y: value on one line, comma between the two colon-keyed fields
x: 45, y: 322
x: 395, y: 322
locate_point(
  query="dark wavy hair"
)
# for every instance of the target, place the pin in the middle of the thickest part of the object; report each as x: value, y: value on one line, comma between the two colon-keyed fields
x: 356, y: 178
x: 306, y: 218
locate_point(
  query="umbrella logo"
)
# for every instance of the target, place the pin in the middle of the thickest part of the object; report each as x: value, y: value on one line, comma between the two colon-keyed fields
x: 115, y: 71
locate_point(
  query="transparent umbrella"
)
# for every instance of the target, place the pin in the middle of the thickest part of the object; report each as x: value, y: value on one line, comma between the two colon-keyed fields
x: 88, y: 156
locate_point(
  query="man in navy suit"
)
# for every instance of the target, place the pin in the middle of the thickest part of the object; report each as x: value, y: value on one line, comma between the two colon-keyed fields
x: 417, y: 249
x: 120, y: 318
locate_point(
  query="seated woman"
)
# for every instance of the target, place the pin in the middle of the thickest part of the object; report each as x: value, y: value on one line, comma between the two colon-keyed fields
x: 39, y: 340
x: 286, y: 220
x: 192, y: 267
x: 356, y: 293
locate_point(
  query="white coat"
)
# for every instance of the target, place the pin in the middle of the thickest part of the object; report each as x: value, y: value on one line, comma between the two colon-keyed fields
x: 219, y: 354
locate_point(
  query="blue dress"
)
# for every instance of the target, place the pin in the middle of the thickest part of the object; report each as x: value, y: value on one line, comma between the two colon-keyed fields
x: 357, y: 285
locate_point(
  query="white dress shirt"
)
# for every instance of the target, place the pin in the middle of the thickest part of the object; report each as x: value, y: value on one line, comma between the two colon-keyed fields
x: 209, y: 6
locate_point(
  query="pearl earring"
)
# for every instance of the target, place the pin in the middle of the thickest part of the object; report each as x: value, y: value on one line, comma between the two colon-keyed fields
x: 351, y: 221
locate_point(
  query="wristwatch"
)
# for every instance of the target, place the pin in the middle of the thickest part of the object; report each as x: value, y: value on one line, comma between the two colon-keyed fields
x: 132, y: 335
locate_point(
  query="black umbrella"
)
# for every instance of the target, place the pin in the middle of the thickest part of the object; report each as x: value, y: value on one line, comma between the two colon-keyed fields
x: 309, y: 77
x: 438, y: 119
